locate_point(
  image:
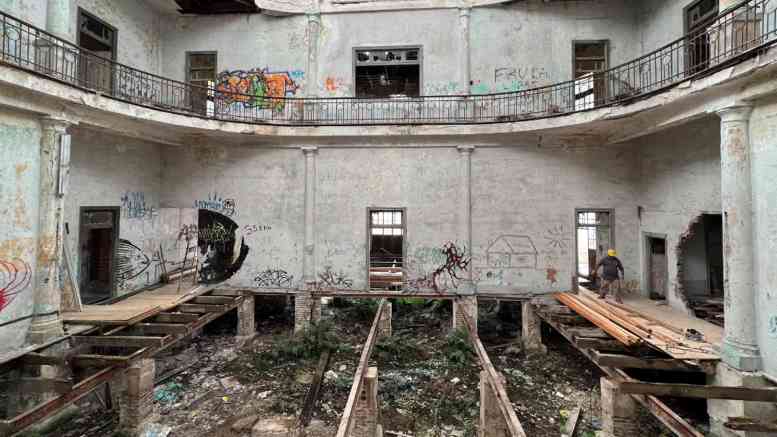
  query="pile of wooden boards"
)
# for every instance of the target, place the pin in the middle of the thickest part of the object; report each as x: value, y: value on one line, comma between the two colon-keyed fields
x: 633, y: 329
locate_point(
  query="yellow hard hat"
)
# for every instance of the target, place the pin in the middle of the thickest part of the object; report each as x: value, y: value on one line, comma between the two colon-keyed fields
x: 611, y: 252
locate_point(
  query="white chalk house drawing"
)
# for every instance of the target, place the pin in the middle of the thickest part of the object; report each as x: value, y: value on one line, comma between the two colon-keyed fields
x: 512, y: 252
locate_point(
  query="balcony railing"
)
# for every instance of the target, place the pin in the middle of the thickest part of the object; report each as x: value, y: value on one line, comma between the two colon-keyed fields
x: 737, y: 32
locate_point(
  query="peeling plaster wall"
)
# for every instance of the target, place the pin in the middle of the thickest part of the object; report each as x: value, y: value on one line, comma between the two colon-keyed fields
x: 267, y: 187
x: 680, y: 179
x: 138, y: 26
x: 31, y: 11
x: 525, y: 45
x: 19, y: 188
x: 661, y: 22
x: 763, y: 131
x: 113, y: 171
x: 243, y: 42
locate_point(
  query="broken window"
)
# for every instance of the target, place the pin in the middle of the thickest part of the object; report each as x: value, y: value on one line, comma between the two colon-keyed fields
x: 698, y: 16
x: 98, y: 37
x: 590, y: 62
x: 594, y: 238
x: 386, y: 248
x: 387, y: 72
x: 201, y: 72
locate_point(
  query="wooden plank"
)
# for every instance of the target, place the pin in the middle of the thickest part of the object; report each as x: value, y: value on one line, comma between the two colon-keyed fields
x: 568, y: 429
x: 94, y: 360
x: 749, y: 424
x: 315, y: 388
x: 227, y: 292
x: 588, y: 332
x: 629, y: 362
x: 120, y: 341
x: 214, y: 300
x: 698, y: 391
x: 494, y: 379
x: 176, y: 318
x: 599, y: 320
x: 361, y: 370
x: 162, y: 328
x: 200, y: 308
x: 39, y: 385
x: 38, y: 359
x: 599, y: 344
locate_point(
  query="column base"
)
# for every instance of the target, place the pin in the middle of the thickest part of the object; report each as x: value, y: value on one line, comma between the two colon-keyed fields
x: 720, y: 410
x: 42, y: 331
x: 306, y: 309
x: 741, y: 357
x: 137, y: 400
x: 618, y: 412
x: 531, y: 330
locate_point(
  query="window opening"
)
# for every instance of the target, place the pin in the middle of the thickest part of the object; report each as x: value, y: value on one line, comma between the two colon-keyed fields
x: 594, y: 238
x: 386, y: 248
x: 201, y: 71
x: 387, y: 72
x: 590, y: 61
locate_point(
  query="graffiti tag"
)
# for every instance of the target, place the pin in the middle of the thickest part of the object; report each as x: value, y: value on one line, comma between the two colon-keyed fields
x: 15, y: 276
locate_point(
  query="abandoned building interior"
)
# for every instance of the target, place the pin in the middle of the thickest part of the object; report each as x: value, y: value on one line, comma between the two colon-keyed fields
x: 363, y: 218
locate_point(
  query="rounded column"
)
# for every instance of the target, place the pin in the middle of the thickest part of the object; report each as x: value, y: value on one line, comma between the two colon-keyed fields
x: 309, y: 246
x: 464, y: 56
x: 465, y: 217
x: 740, y: 346
x: 58, y: 18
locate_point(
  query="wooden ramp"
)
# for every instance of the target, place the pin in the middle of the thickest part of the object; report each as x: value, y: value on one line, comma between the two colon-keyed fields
x: 136, y: 308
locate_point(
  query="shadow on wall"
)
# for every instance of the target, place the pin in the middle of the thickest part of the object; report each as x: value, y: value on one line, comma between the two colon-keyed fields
x: 220, y: 249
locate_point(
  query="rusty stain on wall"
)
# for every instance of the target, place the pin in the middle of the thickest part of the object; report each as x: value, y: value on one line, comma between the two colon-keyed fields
x: 20, y: 210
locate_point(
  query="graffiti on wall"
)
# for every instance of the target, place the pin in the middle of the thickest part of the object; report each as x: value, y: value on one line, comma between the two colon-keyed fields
x: 507, y: 79
x: 772, y: 326
x: 512, y: 252
x: 131, y: 262
x: 328, y: 279
x: 258, y: 88
x: 15, y: 277
x: 133, y: 206
x: 216, y: 203
x: 251, y: 229
x: 557, y: 238
x: 441, y: 88
x: 222, y: 258
x: 454, y: 261
x: 274, y: 278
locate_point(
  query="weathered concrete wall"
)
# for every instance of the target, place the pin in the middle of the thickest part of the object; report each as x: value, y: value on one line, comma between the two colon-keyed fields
x: 660, y: 22
x: 267, y: 187
x: 506, y: 41
x: 19, y: 185
x: 763, y: 137
x: 113, y: 171
x: 32, y: 11
x: 680, y: 179
x: 138, y: 27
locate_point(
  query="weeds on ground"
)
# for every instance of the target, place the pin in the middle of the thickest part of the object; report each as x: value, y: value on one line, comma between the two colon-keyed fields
x: 359, y: 310
x: 458, y: 349
x: 397, y: 349
x: 307, y: 345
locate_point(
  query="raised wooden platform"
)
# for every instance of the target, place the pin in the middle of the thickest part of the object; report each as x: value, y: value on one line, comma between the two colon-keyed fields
x: 389, y: 294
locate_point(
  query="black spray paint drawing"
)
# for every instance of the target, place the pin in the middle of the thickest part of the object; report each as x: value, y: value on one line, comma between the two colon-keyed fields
x: 224, y: 256
x: 131, y: 262
x: 274, y: 278
x: 512, y: 252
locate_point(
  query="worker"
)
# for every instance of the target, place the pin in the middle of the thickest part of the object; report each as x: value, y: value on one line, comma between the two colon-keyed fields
x: 612, y: 273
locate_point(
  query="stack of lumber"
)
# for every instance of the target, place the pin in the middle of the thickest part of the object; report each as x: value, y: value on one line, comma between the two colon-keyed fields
x: 632, y: 328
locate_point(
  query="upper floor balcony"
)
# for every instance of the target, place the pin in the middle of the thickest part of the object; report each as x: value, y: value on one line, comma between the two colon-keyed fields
x: 736, y: 33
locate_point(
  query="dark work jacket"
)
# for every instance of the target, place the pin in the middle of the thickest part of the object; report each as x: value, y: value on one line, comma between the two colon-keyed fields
x: 610, y: 267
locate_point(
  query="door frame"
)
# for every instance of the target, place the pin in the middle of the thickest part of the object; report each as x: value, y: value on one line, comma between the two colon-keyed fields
x: 116, y: 220
x: 611, y: 211
x: 368, y: 235
x: 646, y: 236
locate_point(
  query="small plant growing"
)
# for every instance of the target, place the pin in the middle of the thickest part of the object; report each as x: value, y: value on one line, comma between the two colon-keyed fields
x: 458, y: 349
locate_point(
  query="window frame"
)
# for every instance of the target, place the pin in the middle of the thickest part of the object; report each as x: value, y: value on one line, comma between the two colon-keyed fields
x: 606, y: 85
x: 368, y: 234
x: 79, y: 22
x: 419, y: 62
x: 188, y: 66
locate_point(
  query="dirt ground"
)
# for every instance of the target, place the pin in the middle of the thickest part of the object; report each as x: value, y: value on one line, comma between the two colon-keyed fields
x: 428, y: 379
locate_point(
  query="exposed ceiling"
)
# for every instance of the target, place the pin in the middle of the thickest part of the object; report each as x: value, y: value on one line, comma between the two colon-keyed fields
x: 204, y: 6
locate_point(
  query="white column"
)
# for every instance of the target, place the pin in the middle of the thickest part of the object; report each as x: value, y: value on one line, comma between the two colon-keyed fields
x: 46, y: 323
x: 740, y: 346
x: 309, y: 247
x: 314, y: 31
x: 464, y: 52
x: 58, y: 18
x: 465, y: 216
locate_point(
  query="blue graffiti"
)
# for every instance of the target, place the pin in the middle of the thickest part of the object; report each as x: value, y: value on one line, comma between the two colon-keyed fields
x: 216, y: 203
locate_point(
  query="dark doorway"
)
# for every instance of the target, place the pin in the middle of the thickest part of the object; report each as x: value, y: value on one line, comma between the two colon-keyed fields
x: 700, y: 267
x: 220, y: 250
x: 98, y: 237
x: 698, y: 17
x: 386, y: 248
x: 657, y: 267
x: 100, y: 38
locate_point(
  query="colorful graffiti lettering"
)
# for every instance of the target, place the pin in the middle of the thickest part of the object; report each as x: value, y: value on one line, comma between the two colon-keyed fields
x: 15, y: 276
x: 216, y: 203
x: 257, y: 88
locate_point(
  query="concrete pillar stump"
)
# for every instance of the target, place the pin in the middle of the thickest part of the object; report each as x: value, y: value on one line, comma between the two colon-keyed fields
x: 492, y: 422
x: 720, y: 410
x: 618, y: 412
x: 246, y: 327
x: 531, y: 329
x: 307, y: 308
x: 366, y: 413
x: 137, y: 399
x: 468, y: 304
x: 384, y: 322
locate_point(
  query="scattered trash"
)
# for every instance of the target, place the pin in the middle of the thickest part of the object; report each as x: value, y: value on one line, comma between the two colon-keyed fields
x: 455, y: 381
x: 692, y: 334
x: 264, y: 394
x: 168, y: 393
x: 330, y: 375
x: 155, y: 430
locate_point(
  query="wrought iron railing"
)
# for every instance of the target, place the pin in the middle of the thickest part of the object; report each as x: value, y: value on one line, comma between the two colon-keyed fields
x: 735, y: 33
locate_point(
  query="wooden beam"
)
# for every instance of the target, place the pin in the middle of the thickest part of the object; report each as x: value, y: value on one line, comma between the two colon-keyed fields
x: 39, y: 385
x: 568, y: 428
x: 119, y: 341
x: 599, y: 320
x: 38, y: 359
x: 588, y: 332
x: 698, y: 391
x: 176, y: 318
x: 315, y: 388
x: 361, y: 370
x: 93, y: 360
x: 214, y: 300
x: 599, y: 344
x: 629, y: 362
x: 200, y: 308
x: 227, y: 292
x: 494, y: 379
x: 162, y: 328
x: 749, y: 424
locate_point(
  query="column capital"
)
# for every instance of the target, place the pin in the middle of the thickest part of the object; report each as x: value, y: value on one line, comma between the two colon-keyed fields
x: 308, y: 150
x: 314, y: 17
x: 56, y: 124
x: 465, y: 149
x: 465, y: 11
x: 735, y: 113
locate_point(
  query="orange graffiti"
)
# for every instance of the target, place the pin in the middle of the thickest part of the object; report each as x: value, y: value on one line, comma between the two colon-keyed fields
x: 550, y: 275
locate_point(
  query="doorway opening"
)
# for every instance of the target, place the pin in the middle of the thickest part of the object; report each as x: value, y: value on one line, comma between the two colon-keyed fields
x: 386, y: 248
x: 98, y: 240
x: 698, y: 17
x: 700, y: 267
x: 98, y: 37
x: 594, y: 236
x: 657, y: 267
